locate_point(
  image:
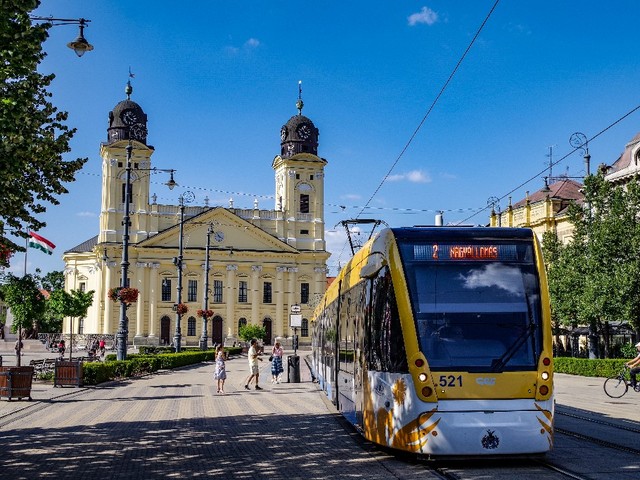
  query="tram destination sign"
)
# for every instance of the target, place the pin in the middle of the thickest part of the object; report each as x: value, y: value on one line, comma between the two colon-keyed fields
x: 453, y: 252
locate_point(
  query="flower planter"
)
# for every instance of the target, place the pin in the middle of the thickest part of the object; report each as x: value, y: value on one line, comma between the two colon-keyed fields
x: 15, y: 382
x: 67, y: 373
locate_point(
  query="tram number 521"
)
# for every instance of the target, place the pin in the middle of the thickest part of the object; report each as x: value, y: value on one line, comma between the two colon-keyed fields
x: 450, y: 381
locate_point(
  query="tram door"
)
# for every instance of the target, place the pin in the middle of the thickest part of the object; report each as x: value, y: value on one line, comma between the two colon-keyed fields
x: 165, y: 330
x: 216, y: 330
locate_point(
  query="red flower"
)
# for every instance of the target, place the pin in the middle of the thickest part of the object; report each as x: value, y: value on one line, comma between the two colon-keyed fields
x: 182, y: 308
x: 204, y: 313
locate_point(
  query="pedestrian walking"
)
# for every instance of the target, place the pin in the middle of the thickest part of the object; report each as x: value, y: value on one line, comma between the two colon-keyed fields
x: 18, y: 347
x: 254, y: 358
x: 220, y: 373
x: 276, y: 363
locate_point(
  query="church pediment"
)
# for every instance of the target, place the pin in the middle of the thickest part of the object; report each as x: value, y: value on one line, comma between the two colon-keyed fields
x: 229, y: 232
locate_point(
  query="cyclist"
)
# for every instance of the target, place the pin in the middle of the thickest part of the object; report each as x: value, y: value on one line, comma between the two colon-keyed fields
x: 635, y: 366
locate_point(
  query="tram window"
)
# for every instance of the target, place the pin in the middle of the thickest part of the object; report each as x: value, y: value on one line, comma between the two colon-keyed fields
x: 482, y: 317
x: 385, y: 343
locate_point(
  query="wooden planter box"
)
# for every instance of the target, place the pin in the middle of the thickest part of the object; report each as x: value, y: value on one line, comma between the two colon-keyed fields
x: 67, y: 373
x: 15, y: 382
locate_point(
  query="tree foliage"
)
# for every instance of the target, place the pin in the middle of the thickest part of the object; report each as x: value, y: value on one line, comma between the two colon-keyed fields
x: 22, y: 295
x: 33, y: 134
x: 247, y: 332
x: 71, y: 304
x: 595, y: 278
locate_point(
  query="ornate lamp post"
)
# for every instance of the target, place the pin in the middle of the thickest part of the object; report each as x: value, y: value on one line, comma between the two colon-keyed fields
x: 80, y: 44
x: 205, y: 300
x: 186, y: 197
x: 123, y: 327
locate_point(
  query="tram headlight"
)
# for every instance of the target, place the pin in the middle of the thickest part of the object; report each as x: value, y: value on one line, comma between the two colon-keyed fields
x: 544, y: 390
x: 422, y: 377
x: 427, y: 391
x: 545, y: 375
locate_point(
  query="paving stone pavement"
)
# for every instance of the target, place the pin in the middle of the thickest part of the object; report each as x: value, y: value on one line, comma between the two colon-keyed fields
x: 173, y: 424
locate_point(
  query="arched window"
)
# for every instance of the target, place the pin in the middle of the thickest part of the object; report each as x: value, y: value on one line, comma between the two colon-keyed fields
x: 242, y: 322
x: 304, y: 328
x: 191, y: 327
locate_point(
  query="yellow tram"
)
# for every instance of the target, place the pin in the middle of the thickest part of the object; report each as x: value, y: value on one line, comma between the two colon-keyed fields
x: 437, y: 341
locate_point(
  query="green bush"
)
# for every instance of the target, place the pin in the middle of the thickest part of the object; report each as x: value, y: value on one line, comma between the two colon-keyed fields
x: 588, y: 368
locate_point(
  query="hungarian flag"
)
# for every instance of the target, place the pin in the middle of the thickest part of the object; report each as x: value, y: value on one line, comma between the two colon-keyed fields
x: 41, y: 243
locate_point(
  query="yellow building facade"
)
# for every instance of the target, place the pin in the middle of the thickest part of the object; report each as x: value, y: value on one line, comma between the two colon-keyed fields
x: 543, y: 211
x: 261, y: 261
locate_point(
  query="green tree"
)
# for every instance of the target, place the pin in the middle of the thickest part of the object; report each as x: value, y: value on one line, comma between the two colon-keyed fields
x: 33, y: 134
x: 51, y: 281
x: 73, y: 304
x: 23, y: 297
x: 247, y: 332
x: 595, y: 278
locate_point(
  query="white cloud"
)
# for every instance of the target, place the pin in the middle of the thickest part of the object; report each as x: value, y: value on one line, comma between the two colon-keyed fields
x: 414, y: 176
x: 351, y: 196
x: 252, y: 43
x: 86, y: 214
x: 426, y: 16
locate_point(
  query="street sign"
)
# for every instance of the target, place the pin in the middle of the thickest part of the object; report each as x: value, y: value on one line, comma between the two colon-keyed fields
x: 295, y: 320
x: 295, y: 309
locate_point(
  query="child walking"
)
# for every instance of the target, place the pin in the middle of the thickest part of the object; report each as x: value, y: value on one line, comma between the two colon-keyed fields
x: 221, y: 372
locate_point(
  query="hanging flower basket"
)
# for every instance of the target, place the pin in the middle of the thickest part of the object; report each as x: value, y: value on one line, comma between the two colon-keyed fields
x: 204, y: 313
x: 5, y: 255
x: 182, y: 308
x: 123, y: 294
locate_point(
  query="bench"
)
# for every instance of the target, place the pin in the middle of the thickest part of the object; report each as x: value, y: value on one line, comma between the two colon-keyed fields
x: 43, y: 366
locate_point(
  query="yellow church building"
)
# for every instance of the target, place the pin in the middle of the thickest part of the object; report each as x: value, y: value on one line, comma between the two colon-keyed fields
x: 261, y: 261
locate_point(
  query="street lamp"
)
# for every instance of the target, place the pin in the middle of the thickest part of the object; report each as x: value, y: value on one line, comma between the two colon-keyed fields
x: 80, y: 45
x: 186, y: 197
x: 123, y: 330
x: 205, y: 300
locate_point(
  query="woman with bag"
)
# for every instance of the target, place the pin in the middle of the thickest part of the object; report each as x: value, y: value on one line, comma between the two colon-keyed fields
x: 276, y: 363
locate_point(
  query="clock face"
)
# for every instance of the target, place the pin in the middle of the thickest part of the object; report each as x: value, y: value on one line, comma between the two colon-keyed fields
x: 138, y: 131
x: 578, y: 140
x: 304, y: 131
x: 283, y: 133
x: 218, y: 236
x: 129, y: 117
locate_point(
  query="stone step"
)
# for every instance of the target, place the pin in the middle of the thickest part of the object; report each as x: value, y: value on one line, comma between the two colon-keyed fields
x: 34, y: 346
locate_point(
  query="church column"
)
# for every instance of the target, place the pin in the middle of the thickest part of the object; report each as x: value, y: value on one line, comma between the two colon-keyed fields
x: 142, y: 296
x: 108, y: 303
x: 291, y: 294
x: 280, y: 313
x: 231, y: 299
x: 153, y: 307
x: 255, y: 293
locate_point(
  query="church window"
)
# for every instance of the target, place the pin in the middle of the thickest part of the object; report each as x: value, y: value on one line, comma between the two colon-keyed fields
x: 191, y: 327
x: 304, y: 232
x: 304, y: 203
x: 242, y: 292
x: 242, y: 323
x: 192, y: 291
x: 217, y: 291
x: 304, y: 293
x: 267, y: 293
x: 166, y: 290
x: 304, y: 328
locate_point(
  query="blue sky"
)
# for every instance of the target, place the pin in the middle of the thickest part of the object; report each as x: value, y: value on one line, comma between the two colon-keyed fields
x: 218, y: 79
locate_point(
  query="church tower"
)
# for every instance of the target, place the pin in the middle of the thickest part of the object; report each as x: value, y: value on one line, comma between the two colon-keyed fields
x: 299, y: 177
x: 127, y: 126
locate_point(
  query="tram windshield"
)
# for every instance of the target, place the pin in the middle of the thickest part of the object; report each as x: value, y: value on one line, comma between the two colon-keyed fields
x: 477, y: 305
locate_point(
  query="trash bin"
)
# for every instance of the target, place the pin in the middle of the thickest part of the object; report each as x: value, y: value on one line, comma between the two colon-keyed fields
x: 294, y: 369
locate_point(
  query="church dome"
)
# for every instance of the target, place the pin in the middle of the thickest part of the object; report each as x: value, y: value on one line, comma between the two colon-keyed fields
x: 299, y: 134
x: 127, y: 120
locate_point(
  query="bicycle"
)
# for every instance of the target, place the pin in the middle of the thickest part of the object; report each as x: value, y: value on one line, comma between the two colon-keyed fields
x: 617, y: 386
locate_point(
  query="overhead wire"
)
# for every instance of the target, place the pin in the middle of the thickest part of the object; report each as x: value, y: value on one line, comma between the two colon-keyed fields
x: 556, y: 162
